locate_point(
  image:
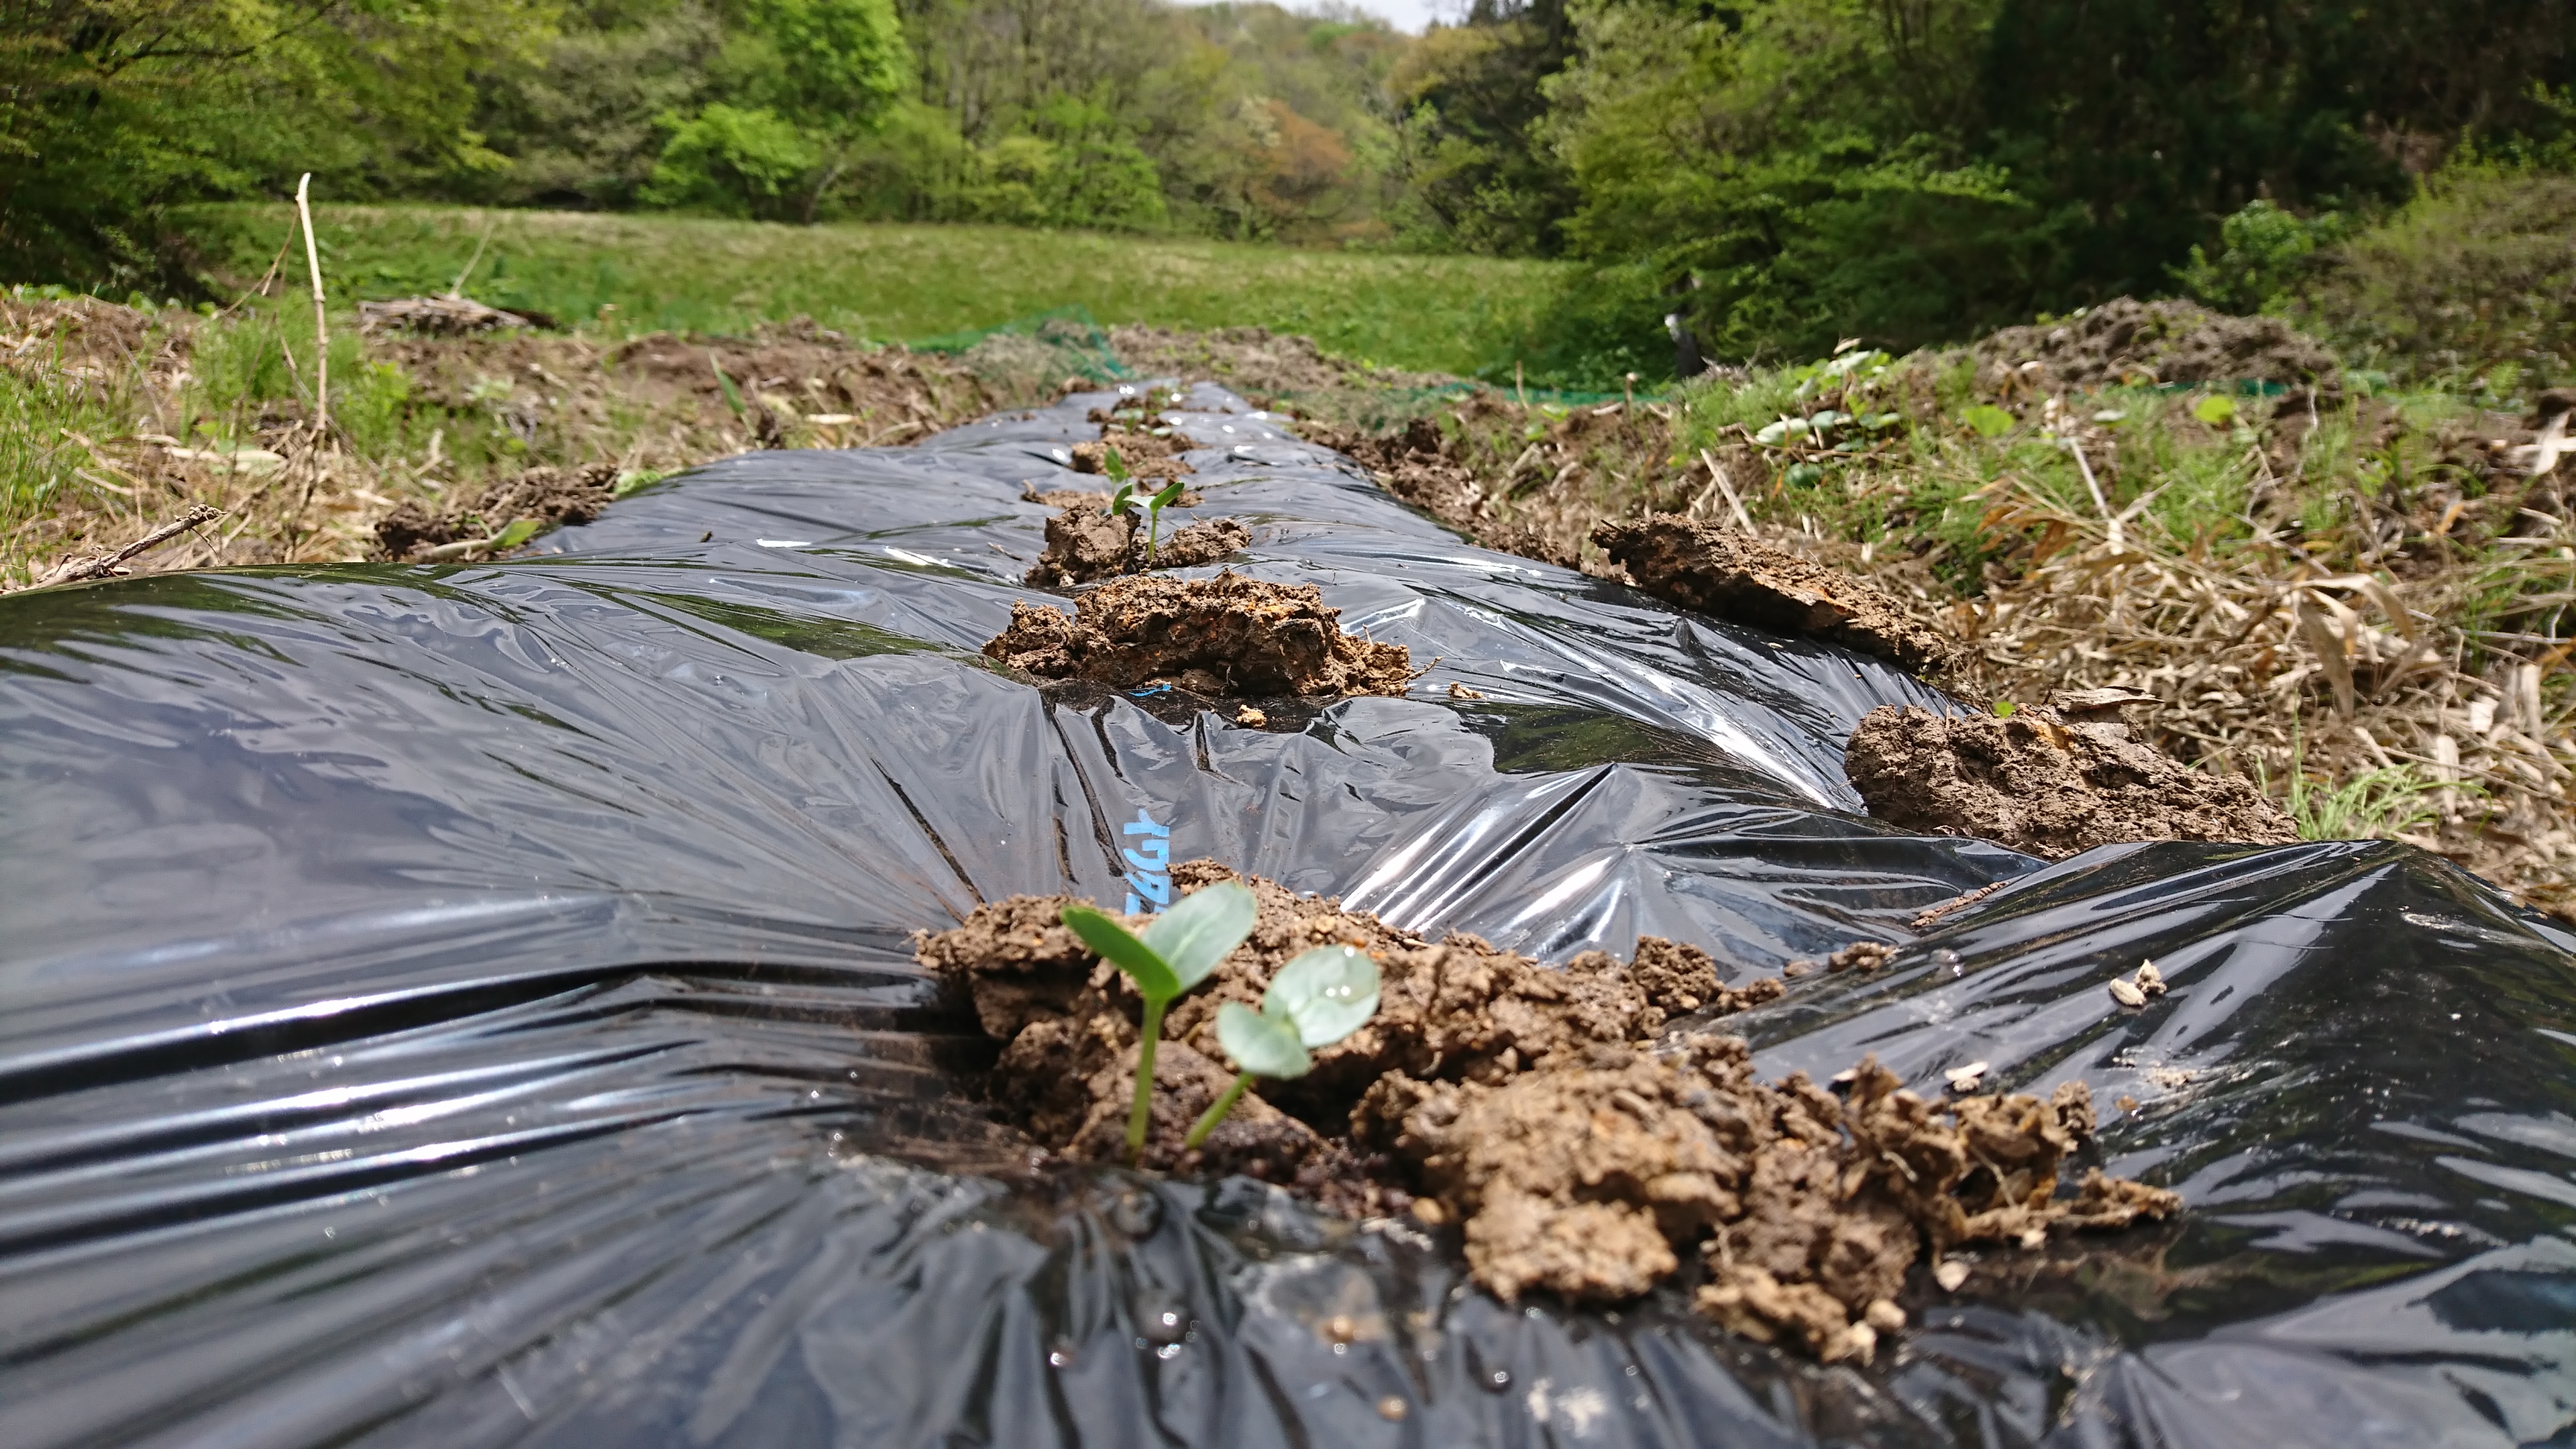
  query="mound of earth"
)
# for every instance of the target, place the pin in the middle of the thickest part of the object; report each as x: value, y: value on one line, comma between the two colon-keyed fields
x: 1146, y: 455
x: 552, y: 496
x: 1536, y: 1109
x: 2044, y: 785
x: 1225, y: 636
x: 1252, y: 360
x: 2128, y: 341
x: 1085, y: 542
x: 1734, y: 576
x: 1419, y: 466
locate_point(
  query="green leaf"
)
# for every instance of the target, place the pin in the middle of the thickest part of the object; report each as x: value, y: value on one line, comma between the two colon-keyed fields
x: 1118, y: 500
x: 2003, y: 709
x: 1165, y: 498
x: 519, y: 532
x: 2215, y: 410
x: 732, y: 396
x: 1113, y: 465
x: 1121, y: 949
x: 1265, y: 1046
x: 1195, y: 934
x: 1989, y: 421
x: 1327, y: 993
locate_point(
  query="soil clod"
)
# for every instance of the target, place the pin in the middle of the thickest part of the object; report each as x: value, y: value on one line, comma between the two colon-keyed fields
x: 549, y: 495
x: 1226, y: 636
x: 1145, y: 455
x: 2039, y: 784
x: 1735, y: 576
x: 1536, y: 1110
x: 1085, y: 543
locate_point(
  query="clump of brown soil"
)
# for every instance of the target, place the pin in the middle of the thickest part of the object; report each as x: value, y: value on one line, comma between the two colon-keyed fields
x: 2042, y: 785
x: 1590, y: 1180
x: 552, y: 496
x: 1085, y: 542
x: 1146, y: 454
x: 1736, y: 576
x: 2128, y: 341
x: 1536, y: 1109
x: 1225, y: 636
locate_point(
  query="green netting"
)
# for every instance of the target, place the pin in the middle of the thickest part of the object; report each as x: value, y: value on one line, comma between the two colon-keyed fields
x: 1066, y: 342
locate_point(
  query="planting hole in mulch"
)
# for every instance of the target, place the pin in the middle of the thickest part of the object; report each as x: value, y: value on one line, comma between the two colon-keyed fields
x: 1085, y: 543
x: 1225, y: 637
x: 1584, y: 1146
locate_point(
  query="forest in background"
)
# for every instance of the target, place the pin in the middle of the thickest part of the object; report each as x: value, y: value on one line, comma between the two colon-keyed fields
x: 1777, y: 174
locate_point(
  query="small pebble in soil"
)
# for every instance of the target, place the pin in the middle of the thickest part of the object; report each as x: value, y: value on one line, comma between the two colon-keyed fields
x: 1950, y: 1273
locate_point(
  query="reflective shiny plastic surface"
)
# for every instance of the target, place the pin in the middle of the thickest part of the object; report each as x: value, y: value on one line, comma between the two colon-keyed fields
x: 472, y: 1005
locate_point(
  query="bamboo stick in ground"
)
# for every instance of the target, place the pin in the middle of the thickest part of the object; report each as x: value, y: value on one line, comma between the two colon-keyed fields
x: 321, y: 323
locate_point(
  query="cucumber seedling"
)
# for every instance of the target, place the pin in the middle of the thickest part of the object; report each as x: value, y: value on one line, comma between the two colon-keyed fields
x: 1127, y: 497
x: 1316, y: 1000
x: 1175, y: 953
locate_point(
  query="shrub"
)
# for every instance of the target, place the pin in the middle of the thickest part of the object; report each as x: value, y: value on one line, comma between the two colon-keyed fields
x: 2478, y: 271
x: 730, y: 161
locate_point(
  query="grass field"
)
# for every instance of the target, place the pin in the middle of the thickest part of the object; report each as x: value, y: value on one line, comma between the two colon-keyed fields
x: 891, y: 283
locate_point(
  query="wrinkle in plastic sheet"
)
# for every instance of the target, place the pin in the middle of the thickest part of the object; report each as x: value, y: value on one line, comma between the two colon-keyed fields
x: 472, y: 1005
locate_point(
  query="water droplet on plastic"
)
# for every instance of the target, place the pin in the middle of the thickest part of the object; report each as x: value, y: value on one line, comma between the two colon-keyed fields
x: 1948, y: 960
x: 1060, y: 1355
x: 1498, y: 1380
x: 1168, y: 1352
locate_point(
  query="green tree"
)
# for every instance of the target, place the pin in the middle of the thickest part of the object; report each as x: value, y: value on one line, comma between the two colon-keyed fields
x: 110, y: 110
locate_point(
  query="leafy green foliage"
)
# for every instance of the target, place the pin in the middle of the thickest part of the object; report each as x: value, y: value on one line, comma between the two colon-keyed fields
x: 1317, y: 999
x: 1176, y: 952
x: 726, y: 161
x: 118, y: 107
x: 2264, y: 252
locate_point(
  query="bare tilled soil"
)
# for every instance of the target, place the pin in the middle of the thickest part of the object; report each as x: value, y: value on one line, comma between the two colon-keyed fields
x: 1228, y: 636
x: 552, y: 496
x: 1085, y: 542
x: 2041, y: 783
x: 1736, y: 576
x: 1583, y: 1147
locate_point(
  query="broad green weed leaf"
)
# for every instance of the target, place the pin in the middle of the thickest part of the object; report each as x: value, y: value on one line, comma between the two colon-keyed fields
x: 1328, y: 993
x: 1265, y: 1046
x: 1122, y: 950
x: 1195, y: 935
x: 2216, y: 410
x: 519, y: 532
x: 1989, y: 421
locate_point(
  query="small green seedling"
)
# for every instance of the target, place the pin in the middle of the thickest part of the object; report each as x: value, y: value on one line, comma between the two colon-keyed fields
x: 1175, y: 953
x: 1316, y: 1000
x: 1126, y: 497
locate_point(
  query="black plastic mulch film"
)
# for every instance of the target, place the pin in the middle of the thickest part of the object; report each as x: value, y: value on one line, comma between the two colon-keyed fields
x: 471, y: 1005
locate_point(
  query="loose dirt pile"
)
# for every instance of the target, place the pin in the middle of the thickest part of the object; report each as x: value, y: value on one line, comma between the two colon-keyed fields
x: 1536, y: 1109
x: 2041, y: 784
x: 1148, y: 457
x: 551, y: 496
x: 1224, y: 637
x: 1085, y: 542
x: 1736, y: 576
x: 2125, y: 341
x: 1253, y: 361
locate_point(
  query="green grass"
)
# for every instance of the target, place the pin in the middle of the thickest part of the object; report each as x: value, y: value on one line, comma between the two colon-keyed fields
x: 903, y: 283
